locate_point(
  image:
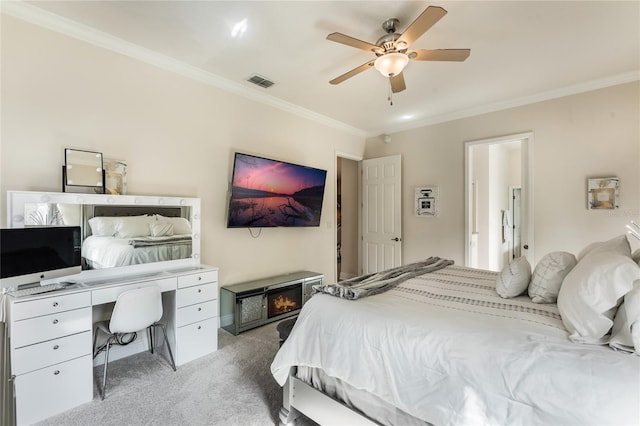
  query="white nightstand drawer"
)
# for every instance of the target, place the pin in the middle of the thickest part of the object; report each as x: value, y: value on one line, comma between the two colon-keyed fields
x: 34, y: 357
x: 196, y: 340
x: 110, y: 294
x: 198, y: 312
x: 49, y: 305
x: 49, y: 327
x: 196, y: 294
x: 196, y: 279
x: 52, y: 390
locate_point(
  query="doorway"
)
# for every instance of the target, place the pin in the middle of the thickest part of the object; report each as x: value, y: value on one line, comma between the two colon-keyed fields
x: 347, y: 216
x: 498, y: 226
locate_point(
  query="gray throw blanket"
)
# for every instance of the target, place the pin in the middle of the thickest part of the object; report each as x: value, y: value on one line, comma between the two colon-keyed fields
x: 374, y: 283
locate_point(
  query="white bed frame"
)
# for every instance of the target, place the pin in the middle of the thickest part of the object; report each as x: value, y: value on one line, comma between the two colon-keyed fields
x: 300, y: 398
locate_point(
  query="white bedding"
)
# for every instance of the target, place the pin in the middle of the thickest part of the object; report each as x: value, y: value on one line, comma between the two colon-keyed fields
x: 106, y: 252
x: 445, y: 348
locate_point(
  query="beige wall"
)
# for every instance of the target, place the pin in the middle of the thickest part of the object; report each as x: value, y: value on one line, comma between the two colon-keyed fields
x: 576, y: 137
x: 177, y: 136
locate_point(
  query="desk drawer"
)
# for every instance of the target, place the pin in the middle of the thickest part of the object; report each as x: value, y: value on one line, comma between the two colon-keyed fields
x: 196, y: 279
x: 110, y: 294
x: 52, y: 352
x: 52, y: 390
x: 50, y: 305
x: 49, y: 327
x: 196, y: 340
x: 196, y: 294
x: 197, y: 312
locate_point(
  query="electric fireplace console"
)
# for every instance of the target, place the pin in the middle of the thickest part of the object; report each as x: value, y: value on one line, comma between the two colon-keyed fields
x: 251, y: 304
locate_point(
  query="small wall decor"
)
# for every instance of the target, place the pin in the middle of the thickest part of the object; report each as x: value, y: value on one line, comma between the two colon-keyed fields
x: 426, y: 201
x: 82, y: 171
x: 603, y: 193
x: 115, y: 176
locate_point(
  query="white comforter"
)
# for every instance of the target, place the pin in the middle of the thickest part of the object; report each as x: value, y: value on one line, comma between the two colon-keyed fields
x: 445, y: 348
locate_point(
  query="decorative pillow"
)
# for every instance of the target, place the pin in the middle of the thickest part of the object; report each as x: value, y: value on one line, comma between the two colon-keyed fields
x: 513, y: 280
x: 548, y: 275
x: 591, y: 293
x: 618, y: 245
x: 133, y: 226
x: 161, y: 229
x: 103, y: 226
x: 181, y: 225
x: 625, y: 334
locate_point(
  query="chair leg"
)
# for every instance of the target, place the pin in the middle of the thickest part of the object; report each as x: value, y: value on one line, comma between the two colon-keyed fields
x: 151, y: 333
x: 166, y: 341
x: 104, y: 372
x: 95, y: 340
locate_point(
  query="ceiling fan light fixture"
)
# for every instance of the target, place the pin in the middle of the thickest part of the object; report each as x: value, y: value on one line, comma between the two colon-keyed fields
x: 391, y: 64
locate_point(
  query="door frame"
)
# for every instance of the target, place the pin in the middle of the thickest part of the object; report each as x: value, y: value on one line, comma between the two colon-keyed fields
x: 358, y: 159
x: 526, y: 159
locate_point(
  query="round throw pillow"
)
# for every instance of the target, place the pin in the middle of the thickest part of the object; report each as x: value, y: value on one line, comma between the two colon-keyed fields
x: 548, y: 275
x: 513, y: 280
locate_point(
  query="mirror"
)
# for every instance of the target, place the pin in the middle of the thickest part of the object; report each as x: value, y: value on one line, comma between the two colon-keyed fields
x: 133, y: 251
x: 83, y: 171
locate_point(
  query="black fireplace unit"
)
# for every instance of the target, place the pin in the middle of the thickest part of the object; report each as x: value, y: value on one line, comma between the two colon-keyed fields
x: 254, y: 303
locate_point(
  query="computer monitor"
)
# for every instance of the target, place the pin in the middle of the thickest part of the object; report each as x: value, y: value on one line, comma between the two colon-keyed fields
x: 33, y: 254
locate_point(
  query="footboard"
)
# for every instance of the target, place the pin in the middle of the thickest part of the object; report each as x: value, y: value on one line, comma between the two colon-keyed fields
x: 299, y: 397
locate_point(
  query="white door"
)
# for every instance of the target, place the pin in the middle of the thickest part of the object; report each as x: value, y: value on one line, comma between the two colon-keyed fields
x: 381, y: 214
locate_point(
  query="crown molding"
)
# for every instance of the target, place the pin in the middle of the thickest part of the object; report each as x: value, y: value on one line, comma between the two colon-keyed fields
x: 525, y: 100
x: 68, y: 27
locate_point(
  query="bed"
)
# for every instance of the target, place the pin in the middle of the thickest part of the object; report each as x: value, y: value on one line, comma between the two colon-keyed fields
x: 121, y: 236
x: 445, y: 348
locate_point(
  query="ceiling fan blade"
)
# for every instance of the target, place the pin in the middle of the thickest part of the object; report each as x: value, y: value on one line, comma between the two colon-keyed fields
x: 353, y: 72
x: 397, y: 83
x: 426, y: 20
x: 353, y: 42
x: 439, y: 54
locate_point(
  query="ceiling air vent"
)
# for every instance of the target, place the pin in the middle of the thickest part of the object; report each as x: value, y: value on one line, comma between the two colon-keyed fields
x: 260, y: 81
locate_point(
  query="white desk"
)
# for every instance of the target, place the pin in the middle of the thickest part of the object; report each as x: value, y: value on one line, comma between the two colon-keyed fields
x: 51, y: 335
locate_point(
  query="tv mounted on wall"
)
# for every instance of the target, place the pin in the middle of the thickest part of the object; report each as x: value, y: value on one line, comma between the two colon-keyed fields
x: 267, y: 193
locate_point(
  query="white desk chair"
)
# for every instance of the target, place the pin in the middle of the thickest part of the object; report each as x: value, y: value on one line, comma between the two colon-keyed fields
x: 134, y: 310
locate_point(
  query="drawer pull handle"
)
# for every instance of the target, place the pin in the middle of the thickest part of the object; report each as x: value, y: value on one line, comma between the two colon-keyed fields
x: 199, y: 327
x: 199, y: 309
x: 55, y: 321
x: 56, y: 347
x: 199, y: 290
x: 199, y: 278
x: 55, y: 373
x: 55, y: 304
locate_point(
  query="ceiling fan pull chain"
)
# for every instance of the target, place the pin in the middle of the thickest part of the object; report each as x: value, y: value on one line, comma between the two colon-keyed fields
x: 390, y: 95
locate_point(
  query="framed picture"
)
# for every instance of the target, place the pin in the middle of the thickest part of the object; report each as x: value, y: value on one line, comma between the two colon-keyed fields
x: 115, y: 176
x: 426, y: 201
x: 603, y: 193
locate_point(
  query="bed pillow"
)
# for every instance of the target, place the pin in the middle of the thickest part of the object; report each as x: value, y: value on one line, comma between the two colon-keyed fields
x: 636, y: 256
x: 618, y: 245
x: 181, y: 226
x: 625, y: 334
x: 133, y: 226
x: 591, y: 293
x: 103, y: 226
x: 514, y: 278
x: 548, y: 275
x: 161, y: 229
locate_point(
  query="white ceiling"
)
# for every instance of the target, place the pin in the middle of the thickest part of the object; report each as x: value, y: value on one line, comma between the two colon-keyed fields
x: 521, y: 51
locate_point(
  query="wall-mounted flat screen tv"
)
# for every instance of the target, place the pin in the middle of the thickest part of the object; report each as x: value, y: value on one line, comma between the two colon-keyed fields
x: 267, y: 192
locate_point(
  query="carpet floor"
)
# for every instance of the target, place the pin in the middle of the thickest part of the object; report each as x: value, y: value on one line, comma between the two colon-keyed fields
x: 232, y: 386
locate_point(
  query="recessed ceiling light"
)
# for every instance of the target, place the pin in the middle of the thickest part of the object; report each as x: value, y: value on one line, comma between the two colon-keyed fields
x: 239, y: 29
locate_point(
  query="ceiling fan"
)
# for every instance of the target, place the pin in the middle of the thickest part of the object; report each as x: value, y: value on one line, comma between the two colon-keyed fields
x: 392, y: 49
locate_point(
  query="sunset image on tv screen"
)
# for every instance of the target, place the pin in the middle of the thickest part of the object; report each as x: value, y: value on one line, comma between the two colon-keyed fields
x: 274, y: 193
